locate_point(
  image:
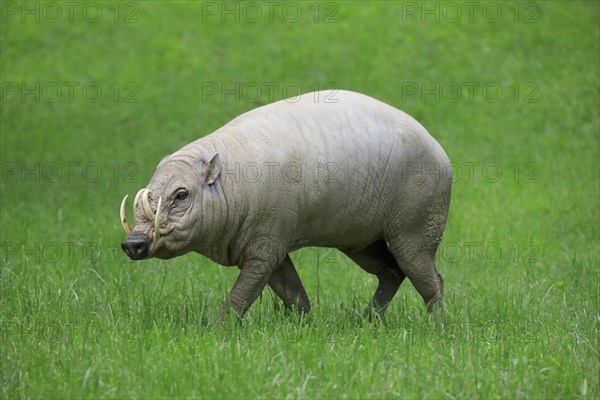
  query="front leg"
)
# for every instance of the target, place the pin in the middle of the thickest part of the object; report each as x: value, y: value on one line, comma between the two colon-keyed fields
x: 287, y: 285
x: 257, y: 265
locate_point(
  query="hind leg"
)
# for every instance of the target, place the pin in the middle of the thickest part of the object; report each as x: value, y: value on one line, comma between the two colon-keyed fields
x: 376, y: 259
x: 417, y: 258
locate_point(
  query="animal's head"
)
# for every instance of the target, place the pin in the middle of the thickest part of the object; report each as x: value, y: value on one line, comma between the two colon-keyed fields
x: 175, y: 210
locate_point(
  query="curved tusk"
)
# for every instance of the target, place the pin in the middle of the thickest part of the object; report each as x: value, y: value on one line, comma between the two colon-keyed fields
x: 146, y: 205
x: 137, y: 197
x: 124, y: 217
x: 157, y: 221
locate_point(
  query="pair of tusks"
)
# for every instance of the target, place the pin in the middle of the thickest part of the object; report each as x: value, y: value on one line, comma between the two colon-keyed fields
x: 147, y: 210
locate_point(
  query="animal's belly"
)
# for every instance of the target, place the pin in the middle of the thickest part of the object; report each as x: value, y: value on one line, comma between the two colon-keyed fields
x: 337, y: 228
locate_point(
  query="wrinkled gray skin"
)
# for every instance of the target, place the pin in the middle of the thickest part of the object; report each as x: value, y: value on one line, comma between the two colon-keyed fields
x: 337, y: 169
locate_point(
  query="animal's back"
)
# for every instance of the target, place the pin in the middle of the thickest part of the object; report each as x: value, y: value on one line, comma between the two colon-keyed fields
x: 338, y: 167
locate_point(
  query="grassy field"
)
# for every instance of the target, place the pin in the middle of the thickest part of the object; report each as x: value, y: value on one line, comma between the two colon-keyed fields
x: 95, y: 94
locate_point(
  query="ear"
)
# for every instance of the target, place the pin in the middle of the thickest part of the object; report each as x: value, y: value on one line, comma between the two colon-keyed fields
x: 211, y: 169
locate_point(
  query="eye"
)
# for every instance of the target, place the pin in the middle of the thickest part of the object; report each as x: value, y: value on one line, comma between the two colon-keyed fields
x: 182, y: 194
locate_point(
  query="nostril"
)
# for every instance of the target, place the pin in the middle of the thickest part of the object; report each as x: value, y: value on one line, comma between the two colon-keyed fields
x: 135, y: 248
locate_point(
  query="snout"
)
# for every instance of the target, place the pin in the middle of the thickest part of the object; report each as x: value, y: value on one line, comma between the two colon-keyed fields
x: 136, y: 247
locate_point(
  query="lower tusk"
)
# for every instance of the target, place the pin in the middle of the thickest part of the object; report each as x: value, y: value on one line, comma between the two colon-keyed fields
x: 146, y: 205
x: 124, y: 217
x: 157, y: 221
x: 137, y: 197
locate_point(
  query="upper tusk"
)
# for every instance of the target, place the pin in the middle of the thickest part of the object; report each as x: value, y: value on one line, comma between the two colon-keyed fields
x: 146, y: 205
x: 157, y: 221
x: 124, y: 217
x: 137, y: 197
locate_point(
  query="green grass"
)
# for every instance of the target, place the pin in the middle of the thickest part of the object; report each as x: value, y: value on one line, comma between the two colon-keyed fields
x: 80, y: 320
